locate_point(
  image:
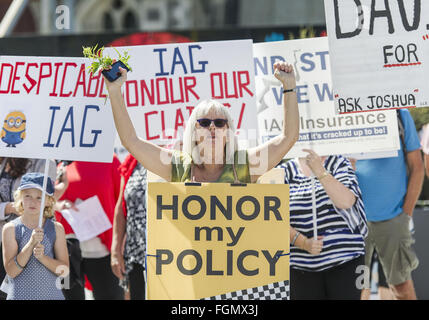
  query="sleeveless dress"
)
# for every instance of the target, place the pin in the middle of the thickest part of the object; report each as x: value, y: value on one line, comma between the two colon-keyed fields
x: 35, y: 282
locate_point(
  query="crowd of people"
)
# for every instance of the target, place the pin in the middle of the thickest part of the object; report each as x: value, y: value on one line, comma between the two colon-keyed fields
x: 355, y: 224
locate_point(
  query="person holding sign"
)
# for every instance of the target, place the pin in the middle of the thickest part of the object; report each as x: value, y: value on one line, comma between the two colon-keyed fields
x: 324, y: 267
x: 209, y: 145
x: 34, y: 257
x: 11, y: 173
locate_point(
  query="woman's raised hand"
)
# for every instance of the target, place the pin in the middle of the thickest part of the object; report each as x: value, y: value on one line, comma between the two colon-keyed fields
x: 117, y: 84
x: 284, y: 72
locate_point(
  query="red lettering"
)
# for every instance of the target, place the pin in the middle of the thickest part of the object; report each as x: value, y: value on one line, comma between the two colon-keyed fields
x: 180, y: 121
x: 127, y: 89
x: 146, y: 118
x: 10, y: 76
x: 243, y: 106
x: 91, y: 79
x: 15, y: 77
x: 234, y: 80
x: 150, y: 94
x: 189, y: 87
x: 57, y: 67
x: 243, y: 85
x: 212, y: 83
x: 68, y: 64
x: 158, y: 91
x: 42, y: 75
x: 181, y: 100
x: 81, y: 80
x: 163, y: 127
x: 190, y: 109
x: 30, y: 79
x: 102, y: 95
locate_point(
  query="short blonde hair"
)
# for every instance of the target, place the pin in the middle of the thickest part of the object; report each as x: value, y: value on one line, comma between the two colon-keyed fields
x: 48, y: 212
x: 201, y: 110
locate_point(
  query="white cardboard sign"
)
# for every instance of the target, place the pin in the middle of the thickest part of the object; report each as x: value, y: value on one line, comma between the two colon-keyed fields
x: 167, y: 81
x: 51, y: 108
x: 379, y: 53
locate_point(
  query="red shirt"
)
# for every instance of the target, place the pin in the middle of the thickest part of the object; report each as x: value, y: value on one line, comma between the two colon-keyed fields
x: 126, y: 170
x: 87, y: 179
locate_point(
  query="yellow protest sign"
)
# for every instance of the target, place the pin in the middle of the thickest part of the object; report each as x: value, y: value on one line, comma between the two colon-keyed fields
x: 215, y: 239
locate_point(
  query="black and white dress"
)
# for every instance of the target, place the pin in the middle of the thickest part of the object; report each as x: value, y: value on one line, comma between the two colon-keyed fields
x: 135, y: 199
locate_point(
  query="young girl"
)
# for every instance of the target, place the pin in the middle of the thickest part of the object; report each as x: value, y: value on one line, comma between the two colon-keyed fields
x: 34, y: 258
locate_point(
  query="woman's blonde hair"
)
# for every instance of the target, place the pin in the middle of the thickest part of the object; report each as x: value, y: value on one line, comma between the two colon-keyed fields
x: 201, y: 110
x: 48, y: 212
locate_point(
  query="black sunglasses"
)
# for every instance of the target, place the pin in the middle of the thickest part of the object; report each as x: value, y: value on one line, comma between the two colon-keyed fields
x: 219, y: 123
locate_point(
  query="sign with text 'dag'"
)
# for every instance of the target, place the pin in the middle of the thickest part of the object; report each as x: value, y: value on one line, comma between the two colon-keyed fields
x: 379, y: 53
x: 215, y: 241
x: 51, y: 108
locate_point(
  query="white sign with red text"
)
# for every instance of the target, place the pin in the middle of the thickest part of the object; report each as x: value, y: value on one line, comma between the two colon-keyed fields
x: 51, y: 108
x: 167, y: 81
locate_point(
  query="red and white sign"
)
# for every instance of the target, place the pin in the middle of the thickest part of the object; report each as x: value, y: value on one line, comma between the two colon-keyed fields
x: 51, y: 108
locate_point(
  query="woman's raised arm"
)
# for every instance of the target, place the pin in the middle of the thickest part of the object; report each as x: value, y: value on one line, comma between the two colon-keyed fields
x: 266, y: 156
x: 151, y: 156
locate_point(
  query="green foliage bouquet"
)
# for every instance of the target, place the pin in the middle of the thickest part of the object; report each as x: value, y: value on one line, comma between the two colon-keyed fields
x: 103, y: 62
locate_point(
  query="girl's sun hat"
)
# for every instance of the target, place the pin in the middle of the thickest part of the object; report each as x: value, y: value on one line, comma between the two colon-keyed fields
x: 35, y: 180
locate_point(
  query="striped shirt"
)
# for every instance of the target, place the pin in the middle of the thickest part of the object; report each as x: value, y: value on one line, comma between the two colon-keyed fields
x: 343, y: 229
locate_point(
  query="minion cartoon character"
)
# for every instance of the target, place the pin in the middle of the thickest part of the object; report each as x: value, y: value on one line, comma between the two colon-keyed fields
x: 13, y: 131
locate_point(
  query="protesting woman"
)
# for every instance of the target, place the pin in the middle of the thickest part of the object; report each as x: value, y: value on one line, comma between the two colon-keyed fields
x: 210, y: 152
x: 325, y: 267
